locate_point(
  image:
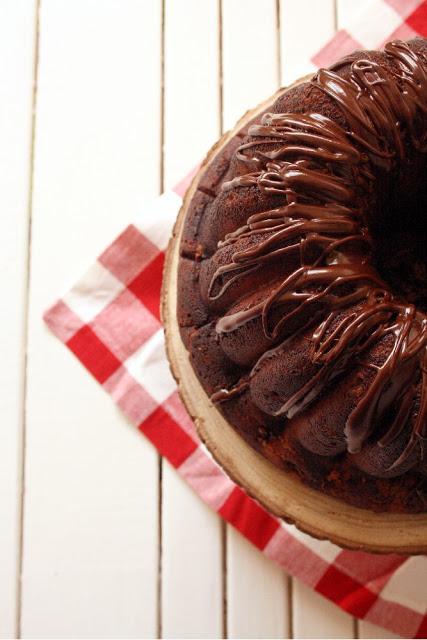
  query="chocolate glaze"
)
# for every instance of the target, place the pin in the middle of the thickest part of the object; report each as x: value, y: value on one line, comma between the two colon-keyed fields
x: 324, y: 171
x: 226, y: 394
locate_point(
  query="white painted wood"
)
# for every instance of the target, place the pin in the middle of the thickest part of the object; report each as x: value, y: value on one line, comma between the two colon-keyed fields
x: 305, y: 26
x: 90, y: 535
x: 257, y: 593
x: 316, y: 617
x: 17, y: 50
x: 191, y: 84
x: 191, y: 561
x: 249, y: 54
x: 257, y: 598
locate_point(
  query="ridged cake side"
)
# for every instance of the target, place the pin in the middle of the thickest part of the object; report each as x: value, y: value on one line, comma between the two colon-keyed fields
x: 290, y: 328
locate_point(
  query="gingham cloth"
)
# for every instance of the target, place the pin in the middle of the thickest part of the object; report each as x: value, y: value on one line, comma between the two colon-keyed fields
x: 110, y: 321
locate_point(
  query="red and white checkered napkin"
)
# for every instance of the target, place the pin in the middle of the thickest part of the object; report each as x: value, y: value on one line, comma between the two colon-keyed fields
x: 110, y: 321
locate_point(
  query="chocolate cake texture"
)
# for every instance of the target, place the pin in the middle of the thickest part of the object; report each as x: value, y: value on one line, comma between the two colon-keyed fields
x: 302, y: 286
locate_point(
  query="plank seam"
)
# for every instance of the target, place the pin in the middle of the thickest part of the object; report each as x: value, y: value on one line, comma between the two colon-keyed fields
x: 159, y: 546
x: 160, y: 458
x: 278, y: 45
x: 356, y: 628
x: 224, y: 551
x: 162, y: 98
x: 220, y: 70
x: 290, y: 606
x: 24, y: 374
x: 335, y: 15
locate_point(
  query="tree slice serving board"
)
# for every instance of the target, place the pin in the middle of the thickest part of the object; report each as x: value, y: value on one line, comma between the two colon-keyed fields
x: 281, y: 492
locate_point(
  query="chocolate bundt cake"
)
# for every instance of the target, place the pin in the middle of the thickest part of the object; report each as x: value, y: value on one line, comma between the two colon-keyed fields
x: 302, y: 285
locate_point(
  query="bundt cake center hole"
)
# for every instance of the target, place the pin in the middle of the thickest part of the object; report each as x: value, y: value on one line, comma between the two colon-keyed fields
x: 400, y: 247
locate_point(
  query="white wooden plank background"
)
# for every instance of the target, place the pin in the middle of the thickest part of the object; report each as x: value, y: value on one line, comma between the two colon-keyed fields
x: 90, y: 521
x: 98, y: 537
x: 17, y: 37
x: 191, y: 533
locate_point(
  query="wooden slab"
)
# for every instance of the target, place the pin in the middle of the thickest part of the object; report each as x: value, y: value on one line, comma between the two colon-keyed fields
x: 280, y: 492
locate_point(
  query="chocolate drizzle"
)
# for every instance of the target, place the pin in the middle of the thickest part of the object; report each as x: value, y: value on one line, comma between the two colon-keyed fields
x: 226, y: 394
x: 324, y: 171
